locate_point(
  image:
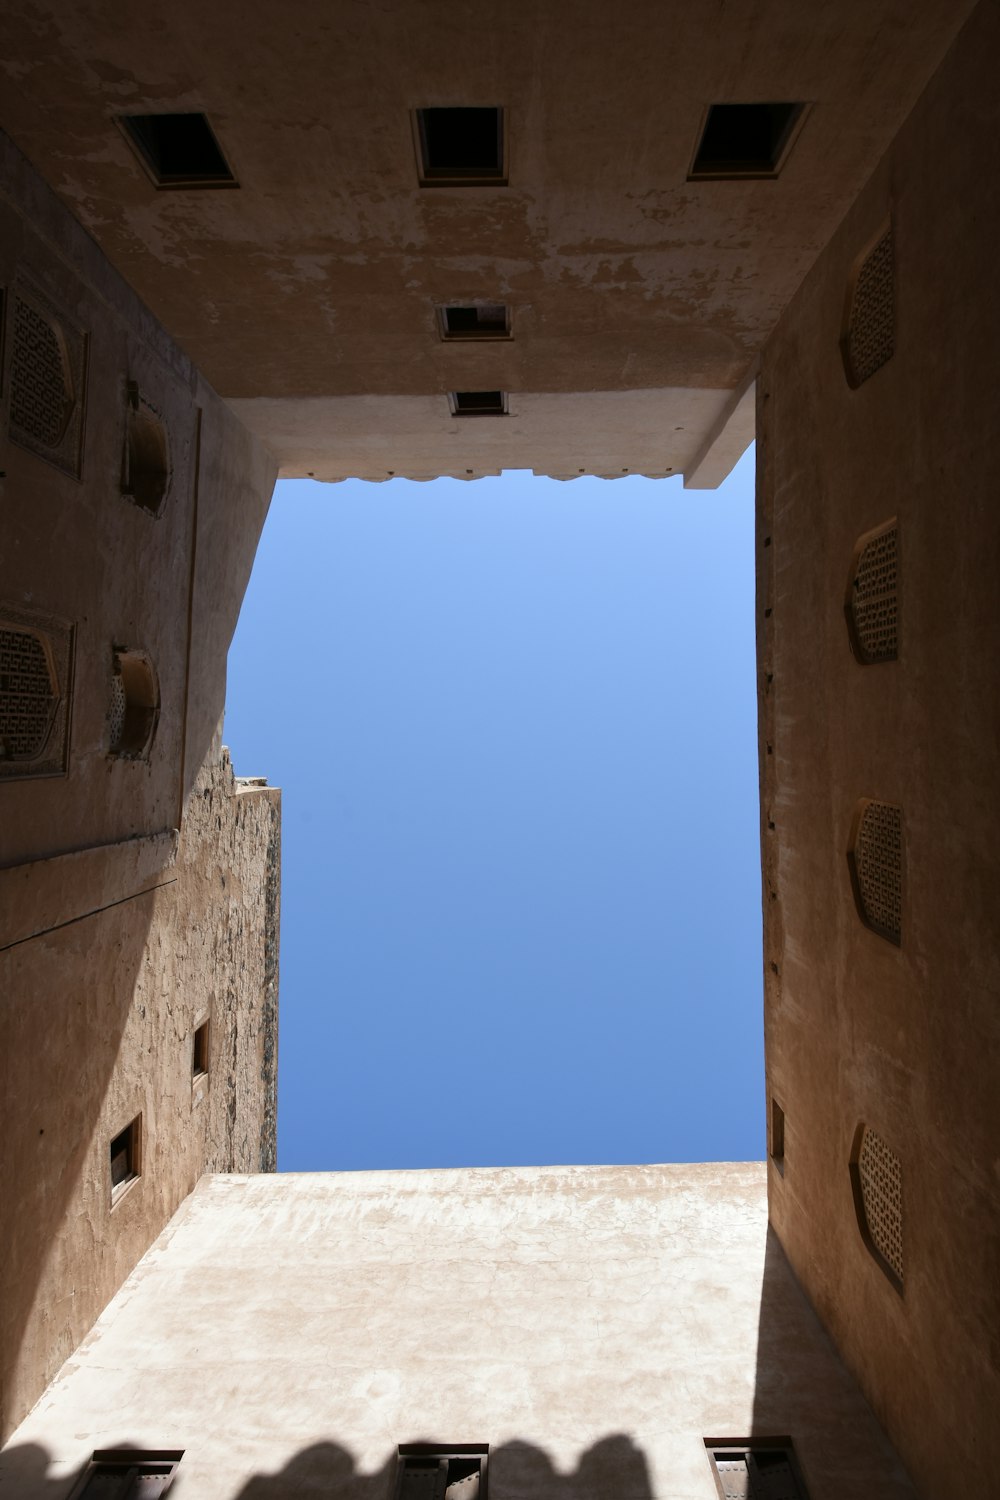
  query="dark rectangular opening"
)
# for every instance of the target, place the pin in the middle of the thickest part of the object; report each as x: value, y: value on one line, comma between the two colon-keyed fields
x: 484, y: 320
x: 456, y: 1472
x: 199, y: 1059
x: 745, y: 140
x: 178, y: 150
x: 124, y: 1157
x: 127, y: 1472
x: 751, y: 1466
x: 777, y: 1151
x: 478, y: 403
x: 461, y: 146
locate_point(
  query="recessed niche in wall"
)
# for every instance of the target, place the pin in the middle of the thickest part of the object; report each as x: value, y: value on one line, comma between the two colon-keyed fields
x: 872, y: 604
x: 875, y: 860
x: 146, y: 456
x: 478, y: 403
x: 47, y: 376
x: 869, y: 337
x: 756, y: 1469
x: 426, y: 1472
x: 480, y: 320
x: 35, y: 666
x: 461, y: 147
x: 877, y: 1181
x: 135, y: 704
x: 128, y: 1474
x: 745, y: 140
x: 126, y: 1158
x: 178, y: 151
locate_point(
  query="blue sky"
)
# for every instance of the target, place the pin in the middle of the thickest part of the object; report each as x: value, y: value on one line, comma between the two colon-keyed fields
x: 514, y: 724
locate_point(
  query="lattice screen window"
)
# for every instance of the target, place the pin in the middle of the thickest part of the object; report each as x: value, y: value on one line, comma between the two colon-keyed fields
x: 47, y: 371
x: 875, y: 859
x: 764, y: 1470
x: 135, y: 704
x: 146, y: 458
x: 877, y: 1177
x: 35, y: 656
x: 128, y: 1474
x: 869, y: 339
x: 872, y: 596
x: 427, y: 1473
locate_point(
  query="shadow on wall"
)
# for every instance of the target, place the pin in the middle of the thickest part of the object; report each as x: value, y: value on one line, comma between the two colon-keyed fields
x: 613, y: 1469
x: 802, y: 1390
x: 65, y: 998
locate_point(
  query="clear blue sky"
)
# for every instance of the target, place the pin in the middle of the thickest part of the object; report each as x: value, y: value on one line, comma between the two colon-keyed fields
x: 514, y: 724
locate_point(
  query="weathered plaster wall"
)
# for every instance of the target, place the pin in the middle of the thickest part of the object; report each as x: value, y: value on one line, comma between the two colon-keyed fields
x: 318, y: 277
x: 137, y: 897
x: 592, y: 1324
x: 905, y: 1038
x: 98, y: 1019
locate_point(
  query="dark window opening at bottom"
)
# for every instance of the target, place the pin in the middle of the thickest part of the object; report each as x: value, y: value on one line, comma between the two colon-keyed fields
x: 455, y: 1473
x: 764, y: 1469
x: 127, y: 1474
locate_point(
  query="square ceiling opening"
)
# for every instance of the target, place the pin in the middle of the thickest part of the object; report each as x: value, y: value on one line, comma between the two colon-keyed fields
x: 178, y: 151
x: 745, y: 140
x: 479, y: 321
x: 461, y: 147
x: 478, y: 403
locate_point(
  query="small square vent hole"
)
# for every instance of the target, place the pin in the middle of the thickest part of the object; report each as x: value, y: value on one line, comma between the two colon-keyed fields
x: 480, y: 321
x: 178, y: 151
x: 478, y: 403
x: 461, y: 147
x: 745, y: 140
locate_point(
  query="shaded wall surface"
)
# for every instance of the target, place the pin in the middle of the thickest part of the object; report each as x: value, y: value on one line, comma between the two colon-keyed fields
x: 900, y: 1037
x: 138, y: 890
x: 309, y: 293
x: 592, y: 1324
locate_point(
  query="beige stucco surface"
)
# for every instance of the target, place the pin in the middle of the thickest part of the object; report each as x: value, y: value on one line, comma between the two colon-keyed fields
x: 318, y: 277
x: 609, y: 433
x: 98, y: 1016
x: 592, y: 1324
x: 138, y: 897
x: 600, y: 1320
x: 906, y: 1039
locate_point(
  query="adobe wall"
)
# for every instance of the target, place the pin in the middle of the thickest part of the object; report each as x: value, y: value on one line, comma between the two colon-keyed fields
x: 138, y: 892
x: 905, y: 1039
x: 593, y: 1325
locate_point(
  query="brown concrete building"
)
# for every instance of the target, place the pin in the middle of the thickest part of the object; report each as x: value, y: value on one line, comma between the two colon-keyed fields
x: 413, y: 240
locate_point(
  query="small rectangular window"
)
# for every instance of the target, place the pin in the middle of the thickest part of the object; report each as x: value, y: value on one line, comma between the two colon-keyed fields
x: 478, y: 404
x: 126, y: 1154
x: 756, y: 1469
x: 178, y: 151
x: 777, y: 1147
x: 461, y: 147
x: 128, y: 1474
x: 199, y: 1057
x: 427, y: 1472
x: 745, y: 140
x: 482, y: 320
